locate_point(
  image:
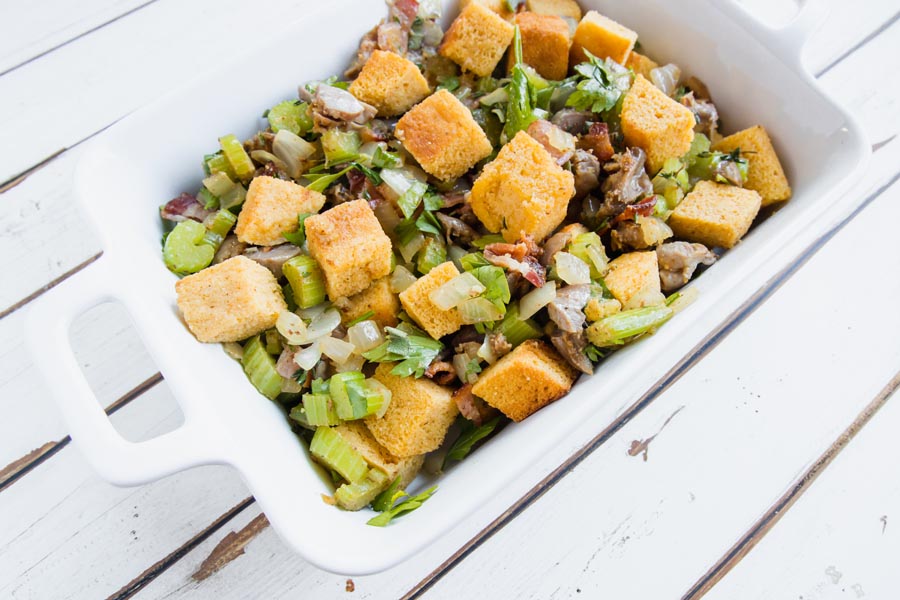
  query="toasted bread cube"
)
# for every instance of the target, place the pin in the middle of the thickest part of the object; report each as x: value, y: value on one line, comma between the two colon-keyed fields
x: 436, y: 322
x: 477, y: 39
x: 390, y: 83
x: 600, y: 308
x: 567, y: 9
x: 640, y: 64
x: 522, y: 191
x: 545, y: 44
x: 633, y: 279
x: 230, y: 301
x: 271, y: 210
x: 501, y: 7
x: 442, y: 136
x: 351, y: 248
x: 377, y: 456
x: 602, y: 37
x: 766, y: 174
x: 715, y: 214
x: 525, y: 380
x: 654, y: 122
x: 377, y: 299
x: 418, y: 417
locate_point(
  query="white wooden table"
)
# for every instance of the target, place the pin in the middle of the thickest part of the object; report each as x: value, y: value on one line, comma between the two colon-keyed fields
x: 770, y: 470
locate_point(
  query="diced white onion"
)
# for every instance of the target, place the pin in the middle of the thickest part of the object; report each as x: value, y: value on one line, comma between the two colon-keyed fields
x: 461, y: 288
x: 385, y: 394
x: 290, y: 386
x: 293, y: 151
x: 599, y: 258
x: 365, y: 335
x: 537, y: 299
x: 354, y: 363
x: 572, y: 269
x: 307, y: 358
x: 337, y: 350
x: 486, y: 353
x: 561, y: 140
x: 408, y: 251
x: 666, y: 78
x: 261, y: 156
x: 461, y: 365
x: 398, y: 180
x: 323, y: 324
x: 313, y: 311
x: 401, y: 279
x: 686, y: 297
x: 292, y: 328
x: 234, y: 350
x: 649, y: 296
x: 479, y: 310
x: 387, y: 216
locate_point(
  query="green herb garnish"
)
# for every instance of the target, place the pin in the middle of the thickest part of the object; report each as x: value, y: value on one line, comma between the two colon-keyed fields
x: 405, y: 506
x: 413, y: 353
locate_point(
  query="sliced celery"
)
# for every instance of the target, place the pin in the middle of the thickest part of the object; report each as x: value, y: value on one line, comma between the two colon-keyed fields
x: 306, y: 279
x: 207, y: 199
x: 347, y: 392
x: 187, y: 249
x: 298, y: 237
x: 356, y: 496
x: 516, y: 330
x: 298, y: 415
x: 385, y: 500
x: 218, y: 184
x: 222, y: 222
x: 320, y: 182
x: 237, y: 157
x: 432, y: 254
x: 340, y: 146
x: 290, y: 115
x: 589, y: 248
x: 273, y: 342
x: 617, y: 329
x: 217, y: 163
x: 336, y: 453
x: 320, y: 410
x: 260, y: 368
x: 234, y: 197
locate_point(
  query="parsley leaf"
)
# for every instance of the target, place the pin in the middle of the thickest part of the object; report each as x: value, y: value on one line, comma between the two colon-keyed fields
x: 412, y: 503
x: 603, y: 85
x: 370, y: 174
x: 298, y: 238
x: 467, y: 440
x: 413, y: 353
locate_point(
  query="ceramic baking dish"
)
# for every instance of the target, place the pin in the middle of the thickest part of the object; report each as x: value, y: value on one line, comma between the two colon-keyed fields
x: 756, y: 76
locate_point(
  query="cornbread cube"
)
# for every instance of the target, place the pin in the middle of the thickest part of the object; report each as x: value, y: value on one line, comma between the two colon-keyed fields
x: 477, y: 39
x: 640, y: 64
x: 567, y: 9
x: 230, y: 301
x: 600, y: 308
x: 361, y: 439
x: 442, y: 136
x: 766, y: 174
x: 545, y: 44
x: 390, y: 83
x: 436, y: 322
x: 351, y: 248
x: 418, y: 417
x: 602, y: 37
x: 654, y: 122
x: 715, y: 214
x: 271, y: 209
x: 377, y: 298
x: 522, y: 191
x: 525, y: 380
x: 498, y: 6
x: 633, y: 279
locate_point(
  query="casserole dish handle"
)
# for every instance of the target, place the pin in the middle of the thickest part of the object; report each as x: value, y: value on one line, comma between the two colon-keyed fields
x: 116, y: 459
x: 789, y: 40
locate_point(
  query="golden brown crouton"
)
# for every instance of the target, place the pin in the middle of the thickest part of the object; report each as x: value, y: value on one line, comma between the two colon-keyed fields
x: 351, y: 248
x: 377, y: 299
x: 442, y: 136
x: 418, y: 417
x: 522, y: 191
x: 417, y: 304
x: 501, y: 7
x: 271, y: 209
x: 602, y: 37
x: 230, y: 301
x: 633, y: 279
x: 545, y: 44
x: 715, y: 214
x: 361, y: 439
x: 766, y: 173
x: 477, y: 39
x: 654, y: 122
x: 600, y: 308
x: 390, y: 83
x: 640, y: 64
x: 567, y: 9
x: 525, y: 380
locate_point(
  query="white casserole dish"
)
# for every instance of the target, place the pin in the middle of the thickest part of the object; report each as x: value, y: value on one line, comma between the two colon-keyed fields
x: 755, y: 75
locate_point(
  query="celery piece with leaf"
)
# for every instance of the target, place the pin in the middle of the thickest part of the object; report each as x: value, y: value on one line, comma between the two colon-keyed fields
x: 621, y: 327
x: 405, y: 506
x: 467, y: 440
x: 298, y: 238
x: 237, y: 157
x: 520, y: 111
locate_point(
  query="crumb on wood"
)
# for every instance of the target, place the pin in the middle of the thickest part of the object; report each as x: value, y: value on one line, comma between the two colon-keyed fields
x: 350, y: 587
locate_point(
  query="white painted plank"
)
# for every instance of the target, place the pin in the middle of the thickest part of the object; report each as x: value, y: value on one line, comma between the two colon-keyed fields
x: 30, y: 29
x: 844, y: 29
x: 841, y: 538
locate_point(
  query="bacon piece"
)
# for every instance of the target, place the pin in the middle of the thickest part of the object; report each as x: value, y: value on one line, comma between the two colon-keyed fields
x: 441, y: 372
x: 521, y: 257
x: 597, y: 141
x: 182, y: 208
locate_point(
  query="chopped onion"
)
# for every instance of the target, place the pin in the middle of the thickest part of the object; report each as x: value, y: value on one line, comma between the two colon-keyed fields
x: 307, y: 358
x: 536, y: 299
x: 234, y: 350
x: 645, y: 297
x: 666, y: 78
x: 337, y: 350
x: 461, y: 288
x: 461, y: 365
x: 292, y: 328
x: 479, y: 310
x: 354, y: 363
x: 365, y: 335
x: 261, y: 156
x: 290, y: 386
x: 408, y: 250
x: 686, y: 297
x: 398, y: 180
x: 323, y: 324
x: 385, y: 394
x: 572, y: 269
x: 486, y: 353
x: 313, y: 311
x: 293, y: 151
x: 401, y: 279
x: 387, y: 216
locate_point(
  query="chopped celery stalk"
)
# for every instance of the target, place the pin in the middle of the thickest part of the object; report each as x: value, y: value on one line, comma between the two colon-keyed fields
x: 217, y: 163
x: 406, y: 506
x: 218, y: 184
x: 293, y: 151
x: 299, y: 415
x: 356, y: 496
x: 273, y: 342
x: 385, y: 160
x: 616, y: 329
x: 340, y: 146
x: 222, y: 222
x: 187, y: 250
x: 589, y: 248
x: 260, y: 368
x: 337, y: 454
x: 320, y: 410
x: 517, y: 330
x: 433, y: 253
x: 385, y: 500
x: 237, y: 157
x: 348, y: 399
x: 306, y: 279
x: 234, y: 197
x: 456, y: 291
x: 290, y: 115
x: 479, y: 310
x: 207, y: 199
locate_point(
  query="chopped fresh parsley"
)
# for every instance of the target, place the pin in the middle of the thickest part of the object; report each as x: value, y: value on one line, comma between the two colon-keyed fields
x: 298, y: 238
x: 410, y: 504
x: 468, y: 438
x: 412, y: 352
x: 603, y: 85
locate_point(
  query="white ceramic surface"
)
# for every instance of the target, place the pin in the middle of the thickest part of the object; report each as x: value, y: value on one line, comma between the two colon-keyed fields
x: 755, y: 75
